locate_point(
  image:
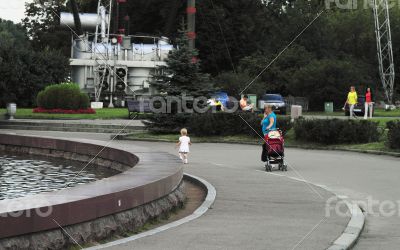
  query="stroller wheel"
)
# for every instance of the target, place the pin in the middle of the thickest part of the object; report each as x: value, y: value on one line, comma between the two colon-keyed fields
x: 268, y: 167
x: 284, y: 167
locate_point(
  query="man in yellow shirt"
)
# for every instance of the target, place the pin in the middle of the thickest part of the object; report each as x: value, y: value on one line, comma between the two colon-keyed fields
x: 352, y: 100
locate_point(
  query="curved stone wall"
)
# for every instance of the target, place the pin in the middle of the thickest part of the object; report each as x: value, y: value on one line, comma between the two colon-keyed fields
x: 149, y: 178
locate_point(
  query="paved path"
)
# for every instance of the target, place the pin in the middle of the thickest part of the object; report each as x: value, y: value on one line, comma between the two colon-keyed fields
x: 361, y: 177
x: 253, y: 209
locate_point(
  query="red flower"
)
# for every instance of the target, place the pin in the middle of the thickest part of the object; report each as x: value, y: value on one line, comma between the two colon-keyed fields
x: 64, y: 111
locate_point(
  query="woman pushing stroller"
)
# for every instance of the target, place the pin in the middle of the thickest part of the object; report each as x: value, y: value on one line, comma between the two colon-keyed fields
x: 272, y: 148
x: 269, y: 122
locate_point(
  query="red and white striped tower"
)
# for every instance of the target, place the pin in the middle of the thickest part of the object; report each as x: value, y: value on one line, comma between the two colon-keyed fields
x: 121, y: 19
x: 191, y: 23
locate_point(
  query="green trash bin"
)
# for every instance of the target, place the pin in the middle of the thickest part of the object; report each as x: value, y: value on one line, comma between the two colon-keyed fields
x: 328, y: 107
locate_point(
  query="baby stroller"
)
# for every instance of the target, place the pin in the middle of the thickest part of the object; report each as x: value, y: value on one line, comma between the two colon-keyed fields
x: 273, y: 151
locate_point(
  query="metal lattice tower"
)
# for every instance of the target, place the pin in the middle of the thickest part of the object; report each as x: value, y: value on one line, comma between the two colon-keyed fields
x: 384, y: 46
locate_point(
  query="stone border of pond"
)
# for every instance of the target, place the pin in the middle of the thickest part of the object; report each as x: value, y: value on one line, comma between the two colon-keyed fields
x: 150, y: 184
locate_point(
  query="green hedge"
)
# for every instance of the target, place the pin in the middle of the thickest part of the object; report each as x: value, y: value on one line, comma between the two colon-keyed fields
x: 62, y: 96
x: 212, y: 124
x: 394, y: 134
x: 167, y: 123
x: 336, y: 131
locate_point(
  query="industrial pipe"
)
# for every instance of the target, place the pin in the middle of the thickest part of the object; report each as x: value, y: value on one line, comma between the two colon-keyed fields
x: 77, y: 20
x: 88, y: 20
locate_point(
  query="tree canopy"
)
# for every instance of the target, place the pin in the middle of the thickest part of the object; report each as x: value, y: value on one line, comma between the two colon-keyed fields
x: 242, y: 37
x: 41, y: 23
x: 181, y: 75
x: 23, y: 70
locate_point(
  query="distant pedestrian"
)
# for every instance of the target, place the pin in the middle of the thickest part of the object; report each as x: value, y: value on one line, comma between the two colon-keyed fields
x: 369, y: 104
x: 244, y: 104
x: 352, y: 100
x: 219, y: 106
x: 268, y: 124
x: 183, y: 144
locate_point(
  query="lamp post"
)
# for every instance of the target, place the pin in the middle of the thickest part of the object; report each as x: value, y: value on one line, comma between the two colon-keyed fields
x: 11, y: 110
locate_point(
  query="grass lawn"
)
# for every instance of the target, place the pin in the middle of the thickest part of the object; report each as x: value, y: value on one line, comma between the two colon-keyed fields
x: 106, y: 113
x: 378, y: 113
x: 383, y: 121
x: 373, y: 146
x: 289, y: 141
x: 194, y: 139
x: 384, y: 113
x: 376, y: 146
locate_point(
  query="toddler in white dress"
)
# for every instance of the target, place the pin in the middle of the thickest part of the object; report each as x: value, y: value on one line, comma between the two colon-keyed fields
x: 183, y: 144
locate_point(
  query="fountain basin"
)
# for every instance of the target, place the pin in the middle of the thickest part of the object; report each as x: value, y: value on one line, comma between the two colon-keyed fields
x: 147, y: 178
x: 22, y: 176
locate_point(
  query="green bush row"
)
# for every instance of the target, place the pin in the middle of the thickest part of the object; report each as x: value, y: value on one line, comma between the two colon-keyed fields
x: 212, y: 124
x: 62, y: 96
x: 167, y: 123
x: 324, y: 131
x: 336, y: 131
x: 394, y: 134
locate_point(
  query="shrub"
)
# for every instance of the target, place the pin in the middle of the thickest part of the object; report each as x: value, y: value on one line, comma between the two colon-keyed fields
x: 66, y: 96
x: 212, y: 124
x: 84, y: 101
x: 336, y: 131
x: 226, y: 124
x: 167, y: 123
x: 208, y: 124
x: 394, y: 134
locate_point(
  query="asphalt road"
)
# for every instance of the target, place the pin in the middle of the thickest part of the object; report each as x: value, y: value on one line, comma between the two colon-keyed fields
x: 253, y: 209
x: 276, y: 202
x: 371, y: 181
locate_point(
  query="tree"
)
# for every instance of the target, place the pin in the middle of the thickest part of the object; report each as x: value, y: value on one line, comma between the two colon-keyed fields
x: 279, y: 74
x: 42, y: 23
x: 181, y: 75
x: 329, y: 80
x: 227, y: 31
x: 235, y: 83
x: 24, y: 71
x: 244, y: 36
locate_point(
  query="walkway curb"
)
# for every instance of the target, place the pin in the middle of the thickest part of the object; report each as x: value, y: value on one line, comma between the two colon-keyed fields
x: 207, y: 203
x: 353, y: 230
x: 355, y: 226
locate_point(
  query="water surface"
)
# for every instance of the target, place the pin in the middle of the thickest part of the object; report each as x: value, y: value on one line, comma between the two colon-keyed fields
x: 22, y: 175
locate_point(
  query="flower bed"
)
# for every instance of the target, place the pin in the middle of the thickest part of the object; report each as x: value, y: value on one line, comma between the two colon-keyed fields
x: 64, y: 111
